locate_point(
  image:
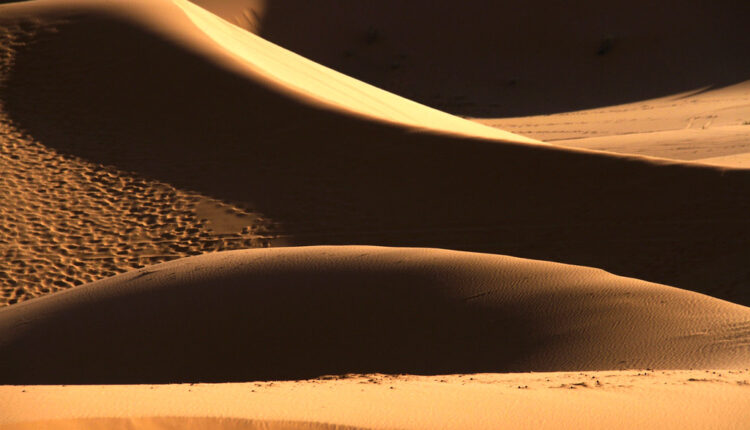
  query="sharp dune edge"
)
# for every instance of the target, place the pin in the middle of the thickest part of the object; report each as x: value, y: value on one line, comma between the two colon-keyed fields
x: 139, y: 132
x: 286, y: 72
x: 292, y: 71
x: 492, y: 59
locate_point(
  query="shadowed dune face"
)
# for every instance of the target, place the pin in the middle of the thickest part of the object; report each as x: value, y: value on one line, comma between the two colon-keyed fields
x: 510, y: 58
x: 145, y: 103
x: 293, y: 313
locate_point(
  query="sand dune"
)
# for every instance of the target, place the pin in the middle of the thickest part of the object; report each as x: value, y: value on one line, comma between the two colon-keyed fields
x: 69, y: 221
x: 323, y: 85
x: 246, y: 14
x: 597, y: 400
x: 707, y: 123
x: 155, y: 95
x: 139, y: 132
x: 490, y: 59
x: 293, y: 313
x: 741, y: 160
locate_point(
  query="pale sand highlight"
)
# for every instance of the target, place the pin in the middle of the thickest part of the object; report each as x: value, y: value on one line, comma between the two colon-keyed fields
x: 490, y: 59
x: 741, y: 160
x: 247, y: 14
x: 697, y: 126
x: 641, y: 399
x: 689, y: 99
x: 322, y: 84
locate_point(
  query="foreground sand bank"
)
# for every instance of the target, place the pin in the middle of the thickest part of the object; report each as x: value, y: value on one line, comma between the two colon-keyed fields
x: 590, y: 400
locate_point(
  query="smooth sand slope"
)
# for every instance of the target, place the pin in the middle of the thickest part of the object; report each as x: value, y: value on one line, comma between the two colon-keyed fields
x: 173, y: 95
x: 709, y: 125
x: 291, y: 313
x: 583, y: 400
x: 489, y: 58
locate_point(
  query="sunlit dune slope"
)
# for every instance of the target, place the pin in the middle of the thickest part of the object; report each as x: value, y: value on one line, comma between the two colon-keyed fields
x: 492, y: 58
x: 642, y: 399
x: 291, y: 313
x: 695, y: 125
x: 269, y: 64
x: 323, y: 85
x: 170, y: 92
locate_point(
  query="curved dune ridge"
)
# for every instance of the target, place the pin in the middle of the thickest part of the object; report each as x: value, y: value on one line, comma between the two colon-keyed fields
x: 326, y: 85
x: 191, y: 101
x: 676, y: 69
x: 271, y: 64
x: 487, y: 58
x: 292, y: 313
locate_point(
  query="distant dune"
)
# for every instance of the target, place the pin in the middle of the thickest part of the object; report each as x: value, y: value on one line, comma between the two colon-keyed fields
x: 155, y: 93
x: 706, y: 123
x: 292, y: 313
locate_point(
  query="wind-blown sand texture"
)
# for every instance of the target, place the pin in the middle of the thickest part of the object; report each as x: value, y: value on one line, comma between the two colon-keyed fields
x: 609, y: 236
x: 311, y: 311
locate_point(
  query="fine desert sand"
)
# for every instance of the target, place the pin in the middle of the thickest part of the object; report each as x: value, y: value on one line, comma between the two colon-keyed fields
x: 602, y: 400
x: 191, y: 194
x: 301, y: 312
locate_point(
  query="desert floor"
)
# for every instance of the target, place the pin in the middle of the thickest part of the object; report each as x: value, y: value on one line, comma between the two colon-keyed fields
x: 394, y: 215
x: 613, y: 399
